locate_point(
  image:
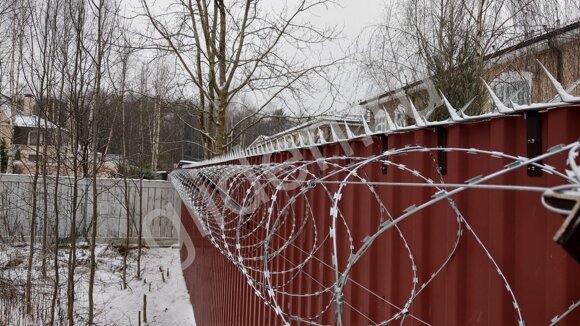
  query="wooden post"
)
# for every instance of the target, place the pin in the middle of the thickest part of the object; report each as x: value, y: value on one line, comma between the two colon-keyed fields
x: 145, y: 308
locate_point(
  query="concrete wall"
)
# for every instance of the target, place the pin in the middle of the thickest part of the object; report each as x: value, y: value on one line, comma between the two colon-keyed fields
x: 160, y: 208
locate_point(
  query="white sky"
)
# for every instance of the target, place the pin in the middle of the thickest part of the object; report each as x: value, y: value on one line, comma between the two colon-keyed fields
x: 354, y: 15
x: 351, y: 16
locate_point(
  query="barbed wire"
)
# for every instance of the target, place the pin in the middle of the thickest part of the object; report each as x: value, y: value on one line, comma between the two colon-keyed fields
x: 267, y: 220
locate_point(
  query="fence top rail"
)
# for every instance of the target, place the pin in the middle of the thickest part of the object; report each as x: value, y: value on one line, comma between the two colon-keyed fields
x: 306, y: 139
x: 5, y: 177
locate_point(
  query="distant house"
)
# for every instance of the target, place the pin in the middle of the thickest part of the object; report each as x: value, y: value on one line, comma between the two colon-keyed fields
x: 29, y: 136
x: 28, y: 130
x: 513, y: 74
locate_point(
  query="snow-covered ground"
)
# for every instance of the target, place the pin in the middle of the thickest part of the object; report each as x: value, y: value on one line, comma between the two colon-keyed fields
x: 167, y: 301
x: 167, y: 297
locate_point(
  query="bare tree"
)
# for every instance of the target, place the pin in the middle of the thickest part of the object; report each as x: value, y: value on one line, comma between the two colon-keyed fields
x: 161, y: 90
x: 39, y: 75
x: 19, y: 15
x: 76, y: 73
x: 105, y: 13
x: 124, y: 57
x: 450, y: 41
x: 230, y: 48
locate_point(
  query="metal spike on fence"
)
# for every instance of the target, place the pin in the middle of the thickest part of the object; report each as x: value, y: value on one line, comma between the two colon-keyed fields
x: 292, y: 142
x: 366, y: 127
x: 278, y: 147
x: 392, y: 124
x: 465, y: 107
x: 349, y: 133
x: 321, y: 136
x: 452, y: 112
x: 271, y: 146
x: 333, y: 135
x: 564, y: 96
x: 300, y: 140
x: 428, y: 111
x: 285, y: 143
x: 311, y: 141
x: 500, y: 107
x: 388, y: 124
x: 419, y: 121
x: 516, y: 106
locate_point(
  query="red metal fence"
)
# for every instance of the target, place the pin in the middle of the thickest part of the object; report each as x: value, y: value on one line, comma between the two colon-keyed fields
x: 512, y: 226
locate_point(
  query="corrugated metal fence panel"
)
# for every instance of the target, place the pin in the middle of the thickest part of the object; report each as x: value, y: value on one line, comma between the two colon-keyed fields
x: 219, y: 293
x: 514, y: 227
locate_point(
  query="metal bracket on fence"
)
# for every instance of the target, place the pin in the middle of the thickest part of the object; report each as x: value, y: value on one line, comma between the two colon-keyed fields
x: 384, y: 148
x: 441, y: 143
x: 534, y: 140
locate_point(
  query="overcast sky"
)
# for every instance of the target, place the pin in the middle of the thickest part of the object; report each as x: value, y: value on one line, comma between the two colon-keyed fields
x: 354, y: 15
x: 350, y: 16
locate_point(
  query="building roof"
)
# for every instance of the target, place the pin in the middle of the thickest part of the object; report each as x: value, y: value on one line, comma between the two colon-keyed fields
x: 31, y: 121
